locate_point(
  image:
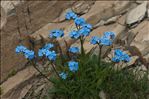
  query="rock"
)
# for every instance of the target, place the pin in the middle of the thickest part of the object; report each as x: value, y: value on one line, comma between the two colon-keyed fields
x: 24, y: 91
x: 146, y: 57
x: 112, y: 20
x: 131, y: 62
x: 39, y: 89
x: 102, y: 22
x: 102, y: 95
x: 136, y: 14
x: 139, y: 1
x: 61, y: 18
x: 141, y: 36
x: 20, y: 19
x: 14, y: 82
x: 138, y: 33
x: 82, y: 7
x: 3, y: 17
x: 111, y: 9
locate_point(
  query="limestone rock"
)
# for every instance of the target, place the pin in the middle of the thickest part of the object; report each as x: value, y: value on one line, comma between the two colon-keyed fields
x: 136, y: 14
x: 101, y: 23
x: 139, y: 1
x: 112, y: 20
x: 82, y: 7
x: 111, y: 9
x: 12, y: 83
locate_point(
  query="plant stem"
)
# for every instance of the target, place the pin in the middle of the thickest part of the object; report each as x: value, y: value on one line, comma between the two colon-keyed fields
x: 99, y: 56
x: 58, y: 75
x: 34, y: 65
x: 82, y: 48
x: 61, y: 53
x: 81, y: 41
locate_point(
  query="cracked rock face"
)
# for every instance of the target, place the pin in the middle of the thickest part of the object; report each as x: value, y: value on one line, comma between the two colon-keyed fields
x: 137, y: 14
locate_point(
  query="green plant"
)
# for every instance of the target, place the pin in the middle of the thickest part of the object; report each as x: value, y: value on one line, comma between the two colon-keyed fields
x: 81, y: 75
x: 126, y: 85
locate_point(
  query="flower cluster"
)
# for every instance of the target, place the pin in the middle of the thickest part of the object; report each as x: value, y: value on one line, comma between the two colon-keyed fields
x: 29, y: 54
x: 56, y: 33
x: 120, y: 56
x: 83, y: 29
x: 74, y: 50
x: 51, y: 55
x: 106, y: 39
x: 73, y: 66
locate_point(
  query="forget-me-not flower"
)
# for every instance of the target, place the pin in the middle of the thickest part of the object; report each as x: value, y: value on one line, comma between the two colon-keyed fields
x: 89, y: 26
x: 74, y: 49
x: 105, y: 41
x: 29, y: 54
x: 95, y: 40
x: 56, y: 33
x: 109, y: 35
x: 51, y: 55
x: 120, y: 56
x: 70, y: 15
x: 74, y: 34
x: 84, y: 31
x: 63, y: 75
x: 73, y: 66
x: 79, y: 21
x: 20, y: 49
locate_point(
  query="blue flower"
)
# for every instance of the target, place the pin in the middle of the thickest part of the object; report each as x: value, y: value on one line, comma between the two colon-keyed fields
x: 118, y: 52
x: 95, y: 40
x: 73, y: 66
x: 116, y: 59
x: 84, y: 31
x: 126, y: 58
x: 79, y: 21
x: 42, y: 52
x: 29, y: 54
x: 20, y: 49
x: 89, y: 26
x: 56, y: 33
x: 63, y: 75
x: 105, y: 41
x: 48, y: 46
x: 74, y: 34
x: 70, y: 15
x: 74, y: 49
x: 109, y: 35
x: 51, y: 55
x: 120, y: 56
